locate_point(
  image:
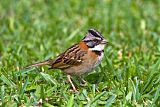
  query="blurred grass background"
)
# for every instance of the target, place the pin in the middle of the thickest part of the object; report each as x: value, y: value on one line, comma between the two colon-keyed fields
x: 31, y: 31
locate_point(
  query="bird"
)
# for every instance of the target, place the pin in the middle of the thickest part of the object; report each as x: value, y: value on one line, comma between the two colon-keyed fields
x: 80, y: 58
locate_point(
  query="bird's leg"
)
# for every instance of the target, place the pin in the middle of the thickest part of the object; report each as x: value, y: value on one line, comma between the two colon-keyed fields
x: 70, y: 81
x: 83, y: 82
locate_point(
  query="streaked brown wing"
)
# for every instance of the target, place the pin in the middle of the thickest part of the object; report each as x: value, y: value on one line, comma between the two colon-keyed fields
x: 71, y: 57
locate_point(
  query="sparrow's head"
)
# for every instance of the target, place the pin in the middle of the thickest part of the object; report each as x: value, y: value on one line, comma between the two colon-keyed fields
x: 94, y: 40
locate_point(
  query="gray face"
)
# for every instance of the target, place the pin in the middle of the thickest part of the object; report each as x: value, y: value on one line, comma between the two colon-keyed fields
x: 95, y: 41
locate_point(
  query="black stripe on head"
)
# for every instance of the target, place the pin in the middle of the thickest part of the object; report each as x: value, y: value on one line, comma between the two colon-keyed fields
x: 95, y: 33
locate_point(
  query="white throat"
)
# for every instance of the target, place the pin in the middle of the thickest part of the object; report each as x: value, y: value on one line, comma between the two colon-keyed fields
x: 99, y: 47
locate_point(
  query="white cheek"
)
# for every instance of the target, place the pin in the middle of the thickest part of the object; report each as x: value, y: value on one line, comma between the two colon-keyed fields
x: 99, y: 47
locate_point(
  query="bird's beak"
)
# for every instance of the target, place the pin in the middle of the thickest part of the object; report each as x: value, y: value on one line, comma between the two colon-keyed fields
x: 104, y: 41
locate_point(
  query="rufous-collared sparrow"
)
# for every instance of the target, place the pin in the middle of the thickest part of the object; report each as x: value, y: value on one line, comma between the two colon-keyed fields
x: 79, y: 58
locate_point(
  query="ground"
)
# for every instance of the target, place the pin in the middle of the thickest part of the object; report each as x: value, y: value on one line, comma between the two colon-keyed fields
x: 32, y: 31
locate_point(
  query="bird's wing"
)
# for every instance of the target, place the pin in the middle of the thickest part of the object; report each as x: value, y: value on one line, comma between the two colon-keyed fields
x: 71, y: 57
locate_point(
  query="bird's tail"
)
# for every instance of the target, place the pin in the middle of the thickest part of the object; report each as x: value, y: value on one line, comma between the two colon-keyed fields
x: 46, y: 62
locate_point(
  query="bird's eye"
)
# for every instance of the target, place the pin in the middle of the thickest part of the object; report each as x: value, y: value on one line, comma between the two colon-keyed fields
x: 96, y: 41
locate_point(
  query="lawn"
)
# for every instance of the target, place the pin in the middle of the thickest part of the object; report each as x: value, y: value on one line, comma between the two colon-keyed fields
x: 32, y: 31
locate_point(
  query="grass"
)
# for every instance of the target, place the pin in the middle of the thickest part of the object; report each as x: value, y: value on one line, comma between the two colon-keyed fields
x: 31, y: 31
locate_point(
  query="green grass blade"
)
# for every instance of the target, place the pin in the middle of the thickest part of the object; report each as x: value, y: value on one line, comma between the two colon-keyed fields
x: 133, y: 89
x: 96, y: 98
x: 48, y: 105
x: 157, y: 95
x: 24, y: 71
x: 2, y: 93
x: 71, y: 101
x: 7, y: 81
x: 48, y: 78
x: 24, y: 88
x: 110, y: 101
x: 42, y: 95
